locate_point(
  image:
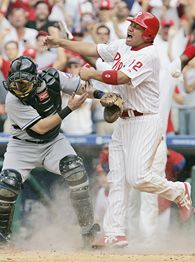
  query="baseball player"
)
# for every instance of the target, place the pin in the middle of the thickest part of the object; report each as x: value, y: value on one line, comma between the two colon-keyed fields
x: 139, y: 219
x: 33, y: 105
x: 138, y: 133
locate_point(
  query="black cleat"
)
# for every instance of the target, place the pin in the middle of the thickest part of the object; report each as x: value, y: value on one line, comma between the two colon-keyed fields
x: 4, y: 239
x: 89, y: 237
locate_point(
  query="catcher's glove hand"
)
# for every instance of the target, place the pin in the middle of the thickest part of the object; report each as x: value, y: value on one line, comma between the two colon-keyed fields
x: 113, y: 104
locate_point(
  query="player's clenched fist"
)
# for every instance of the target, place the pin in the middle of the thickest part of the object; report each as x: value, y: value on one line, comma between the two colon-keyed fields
x: 50, y: 41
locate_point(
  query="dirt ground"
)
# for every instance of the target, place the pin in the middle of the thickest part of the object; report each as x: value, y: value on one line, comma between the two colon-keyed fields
x: 43, y: 246
x: 54, y: 236
x: 13, y: 255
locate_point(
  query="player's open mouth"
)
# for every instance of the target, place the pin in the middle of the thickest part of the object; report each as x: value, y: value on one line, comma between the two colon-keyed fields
x: 129, y: 36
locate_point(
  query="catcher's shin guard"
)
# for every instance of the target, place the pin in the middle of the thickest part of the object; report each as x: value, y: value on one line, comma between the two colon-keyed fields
x: 72, y: 168
x: 10, y: 186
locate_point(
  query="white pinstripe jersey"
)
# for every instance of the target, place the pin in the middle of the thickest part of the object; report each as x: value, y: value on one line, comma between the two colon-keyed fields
x: 142, y: 67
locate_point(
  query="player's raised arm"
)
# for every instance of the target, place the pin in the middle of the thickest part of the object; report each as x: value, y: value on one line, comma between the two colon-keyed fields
x: 86, y: 49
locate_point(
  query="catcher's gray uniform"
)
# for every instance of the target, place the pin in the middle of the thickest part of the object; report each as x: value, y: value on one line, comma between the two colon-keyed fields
x: 23, y: 155
x: 34, y: 96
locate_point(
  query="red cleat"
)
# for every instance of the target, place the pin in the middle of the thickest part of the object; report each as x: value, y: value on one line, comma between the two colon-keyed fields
x: 110, y: 241
x: 185, y: 204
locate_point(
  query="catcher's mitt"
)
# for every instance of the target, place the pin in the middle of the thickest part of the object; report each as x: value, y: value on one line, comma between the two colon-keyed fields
x: 113, y: 104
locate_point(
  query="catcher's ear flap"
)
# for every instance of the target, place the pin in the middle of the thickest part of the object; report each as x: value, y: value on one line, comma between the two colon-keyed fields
x: 111, y: 113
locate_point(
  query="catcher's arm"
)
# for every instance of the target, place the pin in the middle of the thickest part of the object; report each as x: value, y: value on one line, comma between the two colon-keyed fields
x: 44, y: 125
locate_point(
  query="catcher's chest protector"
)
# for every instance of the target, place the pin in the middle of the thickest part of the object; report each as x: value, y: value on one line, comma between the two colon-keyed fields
x: 47, y: 101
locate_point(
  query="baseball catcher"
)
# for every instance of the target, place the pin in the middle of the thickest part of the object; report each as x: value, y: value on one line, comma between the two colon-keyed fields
x: 34, y: 108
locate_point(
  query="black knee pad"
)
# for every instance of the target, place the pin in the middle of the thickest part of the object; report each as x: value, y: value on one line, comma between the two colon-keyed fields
x: 10, y: 184
x: 73, y: 170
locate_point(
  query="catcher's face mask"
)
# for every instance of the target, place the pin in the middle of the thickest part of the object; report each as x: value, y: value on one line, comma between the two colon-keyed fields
x: 21, y: 88
x: 22, y: 80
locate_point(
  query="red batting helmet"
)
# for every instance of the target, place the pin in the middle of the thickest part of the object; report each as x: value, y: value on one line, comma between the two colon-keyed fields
x: 147, y: 21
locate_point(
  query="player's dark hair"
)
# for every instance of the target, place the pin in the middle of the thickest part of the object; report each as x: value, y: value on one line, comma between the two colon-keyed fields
x: 41, y: 2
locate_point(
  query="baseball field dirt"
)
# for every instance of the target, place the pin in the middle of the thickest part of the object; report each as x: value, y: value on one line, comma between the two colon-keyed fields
x: 54, y: 236
x: 11, y: 255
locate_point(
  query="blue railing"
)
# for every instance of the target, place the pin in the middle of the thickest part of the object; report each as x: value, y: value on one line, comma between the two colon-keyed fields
x: 172, y: 140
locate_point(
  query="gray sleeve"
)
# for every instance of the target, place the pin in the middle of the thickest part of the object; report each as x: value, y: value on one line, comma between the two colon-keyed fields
x: 3, y: 92
x: 19, y: 114
x: 69, y: 83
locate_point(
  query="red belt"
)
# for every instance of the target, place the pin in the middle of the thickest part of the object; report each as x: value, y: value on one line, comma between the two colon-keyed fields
x: 130, y: 113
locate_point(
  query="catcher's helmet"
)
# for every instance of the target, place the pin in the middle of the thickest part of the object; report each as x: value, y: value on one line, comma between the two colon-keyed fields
x: 147, y: 21
x: 22, y: 79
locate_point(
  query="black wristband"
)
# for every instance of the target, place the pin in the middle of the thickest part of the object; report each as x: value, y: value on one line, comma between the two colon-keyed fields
x: 98, y: 94
x: 64, y: 112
